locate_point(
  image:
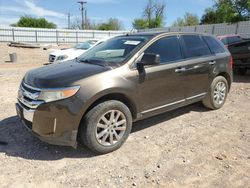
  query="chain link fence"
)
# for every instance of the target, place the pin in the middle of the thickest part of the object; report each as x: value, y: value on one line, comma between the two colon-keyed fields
x: 59, y: 36
x: 240, y: 28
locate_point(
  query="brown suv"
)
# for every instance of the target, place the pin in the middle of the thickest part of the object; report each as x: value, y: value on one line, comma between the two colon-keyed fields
x: 95, y: 98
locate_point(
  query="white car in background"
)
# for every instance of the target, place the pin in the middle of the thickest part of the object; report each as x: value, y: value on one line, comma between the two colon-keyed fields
x: 67, y: 54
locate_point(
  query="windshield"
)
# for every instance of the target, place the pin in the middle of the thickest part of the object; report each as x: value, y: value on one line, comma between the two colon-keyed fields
x: 115, y: 50
x: 85, y: 45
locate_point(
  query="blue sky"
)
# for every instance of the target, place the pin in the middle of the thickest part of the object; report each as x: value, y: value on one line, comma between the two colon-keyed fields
x: 98, y: 10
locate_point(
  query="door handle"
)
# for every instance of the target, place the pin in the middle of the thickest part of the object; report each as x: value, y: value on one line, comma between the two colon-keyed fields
x: 212, y: 62
x: 180, y: 70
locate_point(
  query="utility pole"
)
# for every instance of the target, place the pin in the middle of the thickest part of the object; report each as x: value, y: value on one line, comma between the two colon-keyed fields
x: 86, y: 24
x: 69, y: 25
x: 82, y: 9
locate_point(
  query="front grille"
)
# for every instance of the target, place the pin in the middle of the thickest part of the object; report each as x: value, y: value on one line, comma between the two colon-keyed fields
x: 52, y: 58
x: 28, y: 96
x: 29, y: 88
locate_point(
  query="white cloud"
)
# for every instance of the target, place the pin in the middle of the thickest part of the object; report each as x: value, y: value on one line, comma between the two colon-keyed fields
x: 39, y: 11
x: 30, y: 8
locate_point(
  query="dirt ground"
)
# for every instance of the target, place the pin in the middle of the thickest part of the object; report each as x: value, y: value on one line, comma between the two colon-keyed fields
x: 188, y: 147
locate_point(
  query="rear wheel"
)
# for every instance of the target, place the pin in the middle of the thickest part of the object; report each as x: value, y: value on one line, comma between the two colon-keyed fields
x: 106, y: 127
x: 217, y: 94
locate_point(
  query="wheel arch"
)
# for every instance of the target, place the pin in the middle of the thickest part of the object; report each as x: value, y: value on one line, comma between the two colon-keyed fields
x: 106, y: 96
x: 227, y: 77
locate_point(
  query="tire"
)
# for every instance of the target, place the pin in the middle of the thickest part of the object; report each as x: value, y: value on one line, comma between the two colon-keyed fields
x: 93, y: 126
x: 240, y: 71
x: 215, y: 103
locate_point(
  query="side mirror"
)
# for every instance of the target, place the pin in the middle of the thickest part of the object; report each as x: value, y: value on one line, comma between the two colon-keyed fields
x: 148, y: 59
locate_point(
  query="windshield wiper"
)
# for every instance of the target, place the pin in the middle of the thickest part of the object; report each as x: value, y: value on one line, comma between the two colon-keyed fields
x: 87, y: 61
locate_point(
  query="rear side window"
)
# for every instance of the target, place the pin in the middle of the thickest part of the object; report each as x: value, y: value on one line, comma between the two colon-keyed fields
x: 214, y: 45
x: 168, y: 48
x: 231, y: 40
x: 195, y: 46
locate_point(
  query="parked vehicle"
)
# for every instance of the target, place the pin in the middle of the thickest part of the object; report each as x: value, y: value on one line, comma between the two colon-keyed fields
x: 240, y: 50
x: 67, y: 54
x: 95, y: 99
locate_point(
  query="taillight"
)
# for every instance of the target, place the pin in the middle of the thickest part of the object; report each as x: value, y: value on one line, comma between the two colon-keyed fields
x: 231, y: 62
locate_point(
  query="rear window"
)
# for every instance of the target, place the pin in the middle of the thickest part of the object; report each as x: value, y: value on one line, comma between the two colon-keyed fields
x: 195, y: 46
x: 231, y: 40
x: 214, y: 45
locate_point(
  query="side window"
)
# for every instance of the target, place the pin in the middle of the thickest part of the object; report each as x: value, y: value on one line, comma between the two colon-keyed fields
x: 195, y: 46
x: 235, y: 39
x: 168, y: 48
x: 224, y: 41
x: 214, y: 45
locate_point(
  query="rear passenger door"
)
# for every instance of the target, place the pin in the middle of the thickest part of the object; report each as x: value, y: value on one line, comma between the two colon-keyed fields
x: 195, y: 69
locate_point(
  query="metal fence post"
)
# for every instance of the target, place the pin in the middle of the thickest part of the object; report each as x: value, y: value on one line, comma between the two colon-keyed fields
x: 93, y: 34
x: 237, y: 28
x: 57, y: 40
x: 213, y: 30
x: 13, y: 34
x: 36, y: 36
x: 76, y: 37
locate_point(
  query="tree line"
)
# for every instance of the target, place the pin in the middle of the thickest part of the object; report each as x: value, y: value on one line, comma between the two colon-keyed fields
x: 153, y: 15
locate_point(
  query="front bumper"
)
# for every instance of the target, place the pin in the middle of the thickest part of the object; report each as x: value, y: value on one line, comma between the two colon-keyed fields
x: 55, y: 123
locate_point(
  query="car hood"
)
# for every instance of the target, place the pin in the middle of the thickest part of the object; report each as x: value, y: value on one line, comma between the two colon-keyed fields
x: 61, y: 74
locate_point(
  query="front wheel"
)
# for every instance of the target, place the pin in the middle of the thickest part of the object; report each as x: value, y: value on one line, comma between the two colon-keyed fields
x: 106, y: 127
x: 217, y: 94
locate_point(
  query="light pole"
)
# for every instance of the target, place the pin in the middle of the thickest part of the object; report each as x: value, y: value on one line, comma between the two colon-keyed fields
x: 82, y: 9
x: 69, y: 21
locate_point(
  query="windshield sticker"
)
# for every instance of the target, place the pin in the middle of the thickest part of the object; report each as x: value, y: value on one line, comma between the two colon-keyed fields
x: 132, y: 42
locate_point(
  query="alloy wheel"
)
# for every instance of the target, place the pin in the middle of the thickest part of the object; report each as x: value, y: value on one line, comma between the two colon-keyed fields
x: 220, y: 92
x: 111, y: 127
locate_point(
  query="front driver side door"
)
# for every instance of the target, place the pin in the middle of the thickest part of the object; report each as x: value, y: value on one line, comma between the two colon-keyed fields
x: 162, y: 86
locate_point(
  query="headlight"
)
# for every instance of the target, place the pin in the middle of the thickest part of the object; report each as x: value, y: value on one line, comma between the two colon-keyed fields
x: 62, y: 57
x: 57, y: 94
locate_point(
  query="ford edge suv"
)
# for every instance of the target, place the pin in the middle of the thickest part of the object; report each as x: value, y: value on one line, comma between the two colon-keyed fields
x: 94, y: 99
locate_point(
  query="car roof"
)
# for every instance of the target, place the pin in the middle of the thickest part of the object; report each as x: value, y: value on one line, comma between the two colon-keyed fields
x: 227, y: 36
x: 159, y: 33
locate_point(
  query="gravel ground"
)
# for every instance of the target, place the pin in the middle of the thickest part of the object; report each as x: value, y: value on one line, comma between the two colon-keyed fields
x: 188, y: 147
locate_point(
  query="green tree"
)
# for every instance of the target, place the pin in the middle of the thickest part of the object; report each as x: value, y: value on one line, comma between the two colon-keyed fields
x: 140, y: 24
x: 153, y: 16
x: 28, y: 21
x: 227, y: 11
x: 209, y: 17
x: 189, y: 19
x: 111, y: 24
